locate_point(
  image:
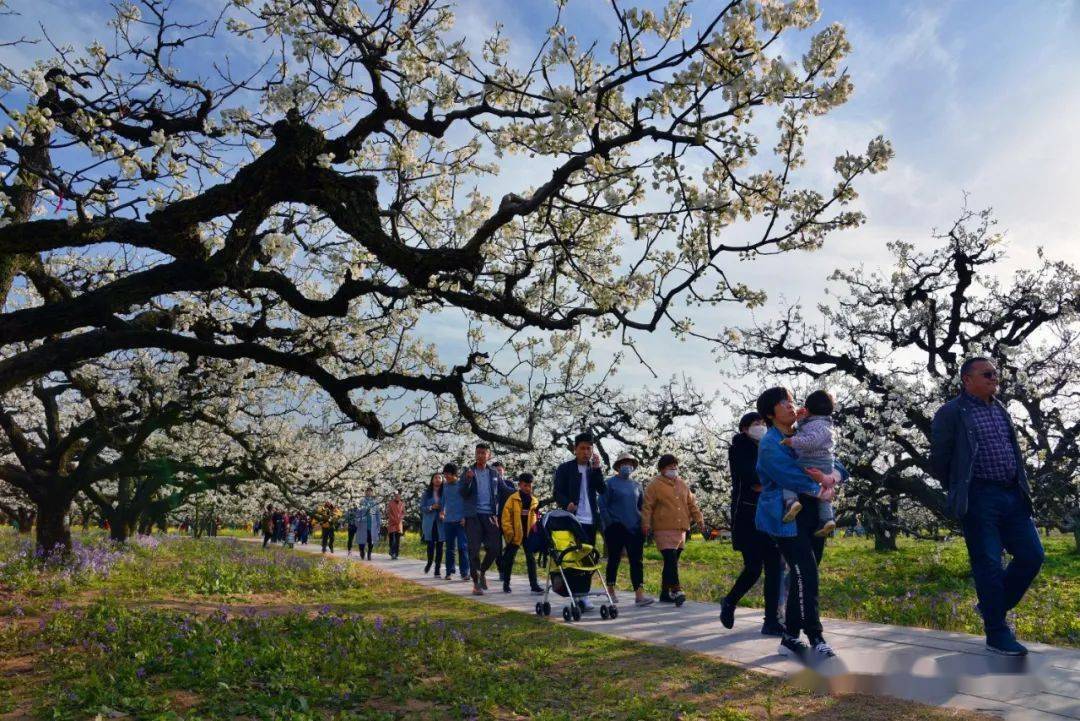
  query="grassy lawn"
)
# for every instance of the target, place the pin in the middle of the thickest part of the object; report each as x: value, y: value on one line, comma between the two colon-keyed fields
x: 219, y: 630
x: 923, y: 584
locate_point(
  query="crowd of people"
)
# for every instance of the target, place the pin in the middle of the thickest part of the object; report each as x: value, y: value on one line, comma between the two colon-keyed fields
x: 784, y: 477
x: 285, y: 527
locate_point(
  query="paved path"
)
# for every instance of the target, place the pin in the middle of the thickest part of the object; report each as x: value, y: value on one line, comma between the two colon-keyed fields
x: 934, y: 667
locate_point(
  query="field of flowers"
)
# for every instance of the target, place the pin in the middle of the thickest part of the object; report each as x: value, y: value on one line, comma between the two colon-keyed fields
x: 215, y: 629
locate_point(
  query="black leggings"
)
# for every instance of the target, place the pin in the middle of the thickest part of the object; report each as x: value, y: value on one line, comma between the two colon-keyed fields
x: 670, y: 576
x: 434, y: 554
x: 349, y: 541
x: 395, y: 543
x: 328, y: 539
x: 802, y: 613
x: 759, y: 552
x: 616, y: 539
x: 362, y: 542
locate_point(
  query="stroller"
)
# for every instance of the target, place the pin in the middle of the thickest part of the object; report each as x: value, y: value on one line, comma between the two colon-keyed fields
x: 571, y: 564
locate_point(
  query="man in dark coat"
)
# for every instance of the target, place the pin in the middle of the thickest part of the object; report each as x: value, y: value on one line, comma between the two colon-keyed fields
x: 975, y: 456
x: 577, y: 483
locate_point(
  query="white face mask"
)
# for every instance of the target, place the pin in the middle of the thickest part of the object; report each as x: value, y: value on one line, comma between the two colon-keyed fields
x: 756, y: 432
x: 672, y: 473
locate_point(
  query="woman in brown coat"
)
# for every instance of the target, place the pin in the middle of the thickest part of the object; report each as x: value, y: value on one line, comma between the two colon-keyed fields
x: 395, y: 523
x: 667, y: 511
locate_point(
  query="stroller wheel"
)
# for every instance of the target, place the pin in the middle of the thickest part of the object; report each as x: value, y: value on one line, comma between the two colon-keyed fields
x: 566, y: 614
x: 576, y: 613
x: 539, y: 609
x: 613, y: 613
x: 547, y: 608
x: 604, y: 612
x: 680, y: 600
x: 580, y: 607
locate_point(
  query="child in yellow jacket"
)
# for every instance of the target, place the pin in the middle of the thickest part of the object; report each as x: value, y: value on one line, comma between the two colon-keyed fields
x: 518, y: 517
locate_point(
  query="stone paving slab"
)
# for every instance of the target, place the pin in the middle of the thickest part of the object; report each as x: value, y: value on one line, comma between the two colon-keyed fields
x: 940, y: 668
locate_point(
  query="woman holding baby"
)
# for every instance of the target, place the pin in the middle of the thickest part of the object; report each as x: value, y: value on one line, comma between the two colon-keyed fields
x: 779, y: 470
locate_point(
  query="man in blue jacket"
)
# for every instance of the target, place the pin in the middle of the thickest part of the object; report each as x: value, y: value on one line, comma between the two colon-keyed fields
x: 577, y: 483
x: 481, y: 487
x: 452, y: 517
x: 975, y: 456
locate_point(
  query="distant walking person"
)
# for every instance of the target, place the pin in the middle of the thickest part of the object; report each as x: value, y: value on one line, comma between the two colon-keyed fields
x: 430, y: 525
x: 757, y: 548
x: 266, y: 523
x: 368, y: 520
x: 667, y: 511
x: 620, y: 512
x: 395, y: 523
x: 975, y: 456
x: 351, y: 529
x: 327, y: 517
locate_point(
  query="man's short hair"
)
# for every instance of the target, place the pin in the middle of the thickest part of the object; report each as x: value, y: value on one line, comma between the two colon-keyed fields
x: 525, y: 478
x: 450, y: 468
x: 767, y: 401
x: 820, y: 403
x: 966, y: 366
x: 497, y: 464
x: 585, y: 437
x: 482, y: 446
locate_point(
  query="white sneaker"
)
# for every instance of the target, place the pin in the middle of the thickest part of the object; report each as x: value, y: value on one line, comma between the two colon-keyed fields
x: 824, y: 650
x: 588, y: 604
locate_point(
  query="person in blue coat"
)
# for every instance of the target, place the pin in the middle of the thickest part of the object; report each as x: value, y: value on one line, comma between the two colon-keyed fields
x: 430, y: 525
x: 778, y: 470
x: 975, y: 456
x: 452, y: 516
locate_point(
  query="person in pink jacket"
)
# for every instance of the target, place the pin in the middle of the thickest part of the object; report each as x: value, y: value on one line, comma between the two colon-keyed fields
x: 395, y: 523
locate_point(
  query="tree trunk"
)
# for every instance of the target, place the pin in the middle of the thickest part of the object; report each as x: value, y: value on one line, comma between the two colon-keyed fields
x: 118, y: 530
x: 884, y: 538
x: 121, y: 526
x: 25, y: 520
x: 53, y: 533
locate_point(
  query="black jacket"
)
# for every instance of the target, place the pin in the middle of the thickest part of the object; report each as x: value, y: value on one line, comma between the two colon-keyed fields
x: 742, y: 459
x: 953, y: 445
x: 568, y: 486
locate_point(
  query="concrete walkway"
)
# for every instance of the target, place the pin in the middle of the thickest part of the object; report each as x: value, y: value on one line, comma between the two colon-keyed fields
x: 933, y: 667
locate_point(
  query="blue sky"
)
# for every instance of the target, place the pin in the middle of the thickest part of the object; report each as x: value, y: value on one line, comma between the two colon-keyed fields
x: 979, y: 97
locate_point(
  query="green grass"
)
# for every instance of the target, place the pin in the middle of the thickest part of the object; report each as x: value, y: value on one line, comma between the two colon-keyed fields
x: 924, y: 583
x: 219, y: 630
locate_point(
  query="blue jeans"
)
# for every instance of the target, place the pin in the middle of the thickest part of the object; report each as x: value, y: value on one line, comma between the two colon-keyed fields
x: 1000, y: 519
x: 455, y: 539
